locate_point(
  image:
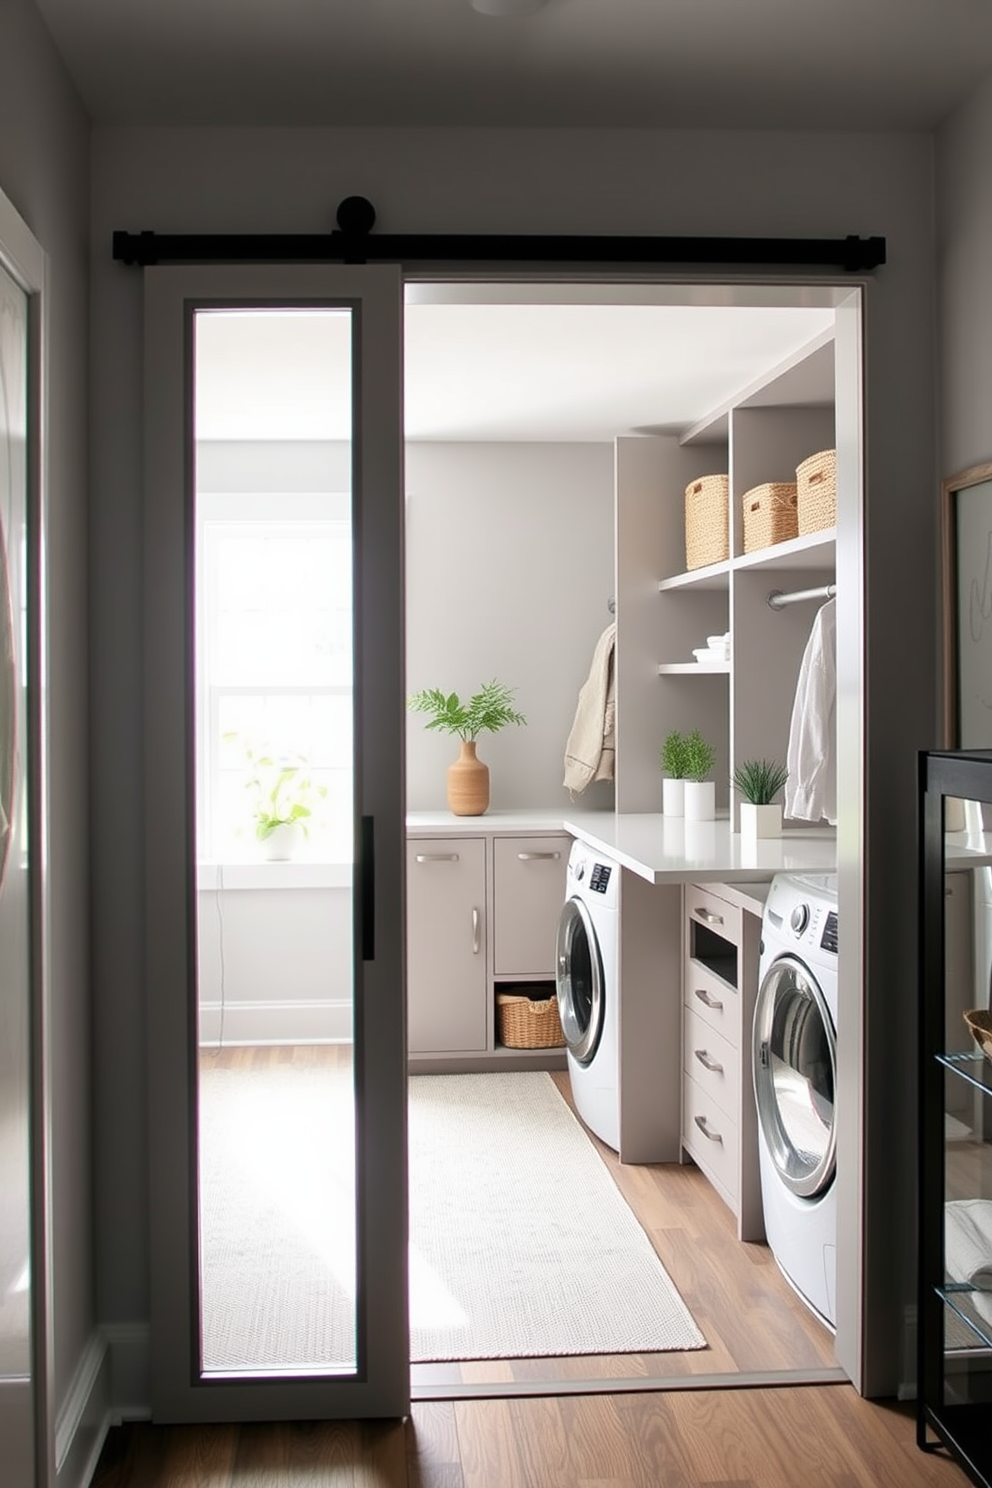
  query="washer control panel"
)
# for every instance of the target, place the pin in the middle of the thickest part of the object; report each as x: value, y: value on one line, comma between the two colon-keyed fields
x: 599, y: 878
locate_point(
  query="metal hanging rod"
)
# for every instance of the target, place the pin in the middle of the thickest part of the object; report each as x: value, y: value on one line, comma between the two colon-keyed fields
x: 778, y: 601
x: 354, y: 242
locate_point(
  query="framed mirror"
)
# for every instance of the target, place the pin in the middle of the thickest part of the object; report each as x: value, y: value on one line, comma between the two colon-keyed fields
x: 966, y: 520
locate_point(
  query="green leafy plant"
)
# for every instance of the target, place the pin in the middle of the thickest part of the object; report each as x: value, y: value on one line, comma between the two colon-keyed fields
x: 282, y: 789
x: 487, y: 711
x: 760, y: 780
x: 673, y: 758
x: 699, y: 757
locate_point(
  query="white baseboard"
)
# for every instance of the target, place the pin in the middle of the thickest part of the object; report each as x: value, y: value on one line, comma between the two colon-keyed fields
x: 110, y: 1385
x: 84, y: 1415
x: 306, y: 1022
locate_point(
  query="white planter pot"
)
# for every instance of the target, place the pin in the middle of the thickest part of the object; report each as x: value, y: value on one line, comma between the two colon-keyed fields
x: 760, y: 821
x: 673, y: 797
x: 700, y: 800
x: 283, y: 842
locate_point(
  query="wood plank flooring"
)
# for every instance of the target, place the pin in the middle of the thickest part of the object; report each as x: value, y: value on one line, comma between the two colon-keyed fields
x: 752, y: 1320
x: 819, y: 1437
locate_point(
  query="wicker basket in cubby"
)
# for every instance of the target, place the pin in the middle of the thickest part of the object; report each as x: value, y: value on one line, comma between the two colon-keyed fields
x: 816, y: 484
x: 769, y: 514
x: 707, y: 521
x: 525, y: 1022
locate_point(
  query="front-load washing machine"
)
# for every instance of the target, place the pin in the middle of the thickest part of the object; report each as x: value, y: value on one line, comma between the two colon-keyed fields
x: 586, y: 976
x: 794, y: 1059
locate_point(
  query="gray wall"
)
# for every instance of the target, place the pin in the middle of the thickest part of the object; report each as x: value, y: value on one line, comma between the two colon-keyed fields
x: 44, y: 170
x: 509, y: 571
x: 556, y: 181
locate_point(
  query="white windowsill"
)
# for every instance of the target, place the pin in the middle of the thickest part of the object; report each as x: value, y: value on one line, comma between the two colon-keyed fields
x: 303, y: 873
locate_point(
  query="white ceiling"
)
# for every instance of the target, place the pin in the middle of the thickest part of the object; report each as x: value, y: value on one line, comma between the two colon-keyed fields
x: 835, y: 64
x: 496, y: 371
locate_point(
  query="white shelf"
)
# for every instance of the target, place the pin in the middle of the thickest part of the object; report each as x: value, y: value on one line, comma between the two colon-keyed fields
x: 813, y: 550
x: 713, y: 576
x: 693, y: 668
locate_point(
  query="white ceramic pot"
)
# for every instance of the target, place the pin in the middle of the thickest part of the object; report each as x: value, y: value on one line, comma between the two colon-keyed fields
x: 700, y: 800
x: 283, y: 842
x: 760, y: 821
x: 673, y: 797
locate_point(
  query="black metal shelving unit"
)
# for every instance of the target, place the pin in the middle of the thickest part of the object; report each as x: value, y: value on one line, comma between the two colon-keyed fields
x: 954, y: 1365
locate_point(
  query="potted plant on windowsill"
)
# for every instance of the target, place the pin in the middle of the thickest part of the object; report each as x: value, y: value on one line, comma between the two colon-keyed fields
x: 487, y: 711
x: 284, y: 797
x: 673, y: 763
x: 700, y: 791
x: 758, y: 782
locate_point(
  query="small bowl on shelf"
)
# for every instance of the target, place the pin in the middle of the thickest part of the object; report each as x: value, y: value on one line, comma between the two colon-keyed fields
x: 979, y: 1020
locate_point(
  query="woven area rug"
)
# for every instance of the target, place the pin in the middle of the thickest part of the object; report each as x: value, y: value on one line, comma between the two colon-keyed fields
x: 520, y: 1242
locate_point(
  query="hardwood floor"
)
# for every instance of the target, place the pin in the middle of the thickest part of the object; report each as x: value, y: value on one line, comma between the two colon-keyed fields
x: 753, y: 1322
x: 819, y: 1437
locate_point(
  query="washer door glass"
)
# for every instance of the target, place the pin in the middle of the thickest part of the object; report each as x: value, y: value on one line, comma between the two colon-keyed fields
x: 579, y: 981
x: 795, y: 1074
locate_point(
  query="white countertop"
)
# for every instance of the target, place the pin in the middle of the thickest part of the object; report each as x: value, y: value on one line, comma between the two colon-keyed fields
x: 669, y: 849
x: 661, y: 849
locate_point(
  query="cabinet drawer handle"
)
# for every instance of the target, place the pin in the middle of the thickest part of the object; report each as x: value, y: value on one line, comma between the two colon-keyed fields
x: 708, y: 916
x: 711, y: 1136
x: 532, y: 857
x: 708, y: 1062
x: 709, y: 1000
x: 437, y: 857
x: 475, y: 932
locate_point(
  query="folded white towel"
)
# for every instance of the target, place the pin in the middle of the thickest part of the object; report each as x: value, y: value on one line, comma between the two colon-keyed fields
x: 968, y: 1242
x: 707, y: 655
x: 722, y: 640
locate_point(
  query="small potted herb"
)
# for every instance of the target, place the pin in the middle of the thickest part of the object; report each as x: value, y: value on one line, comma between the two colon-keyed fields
x: 758, y: 782
x: 700, y: 790
x: 284, y: 796
x: 673, y: 763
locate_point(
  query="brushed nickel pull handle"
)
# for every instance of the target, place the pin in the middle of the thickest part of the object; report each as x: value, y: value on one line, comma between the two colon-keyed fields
x: 708, y: 916
x: 475, y: 932
x: 711, y: 1136
x: 437, y: 857
x: 532, y: 857
x: 708, y: 1062
x: 710, y: 1001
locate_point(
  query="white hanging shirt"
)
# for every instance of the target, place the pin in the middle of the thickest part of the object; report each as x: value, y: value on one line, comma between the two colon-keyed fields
x: 811, y: 789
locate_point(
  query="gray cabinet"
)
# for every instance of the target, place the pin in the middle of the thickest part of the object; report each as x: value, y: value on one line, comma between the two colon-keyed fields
x: 482, y: 912
x: 446, y: 945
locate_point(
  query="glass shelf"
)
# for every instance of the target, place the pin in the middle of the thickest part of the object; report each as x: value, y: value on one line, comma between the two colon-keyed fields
x: 973, y: 1067
x: 958, y: 1296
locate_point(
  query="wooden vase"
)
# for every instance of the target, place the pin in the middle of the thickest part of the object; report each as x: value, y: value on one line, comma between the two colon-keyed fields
x: 468, y: 783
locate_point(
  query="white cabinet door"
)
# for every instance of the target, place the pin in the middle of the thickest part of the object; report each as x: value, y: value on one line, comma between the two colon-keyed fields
x: 529, y: 874
x: 446, y: 945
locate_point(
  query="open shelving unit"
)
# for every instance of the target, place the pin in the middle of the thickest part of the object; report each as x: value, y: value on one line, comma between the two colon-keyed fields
x: 665, y: 612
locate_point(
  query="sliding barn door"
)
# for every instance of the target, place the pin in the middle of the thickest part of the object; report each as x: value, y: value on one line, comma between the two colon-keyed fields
x: 274, y: 715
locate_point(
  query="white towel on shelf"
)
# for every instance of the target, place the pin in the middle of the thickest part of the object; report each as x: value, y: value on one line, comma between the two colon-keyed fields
x: 968, y: 1242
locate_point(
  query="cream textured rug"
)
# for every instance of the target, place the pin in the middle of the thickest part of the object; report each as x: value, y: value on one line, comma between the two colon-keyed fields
x: 520, y: 1242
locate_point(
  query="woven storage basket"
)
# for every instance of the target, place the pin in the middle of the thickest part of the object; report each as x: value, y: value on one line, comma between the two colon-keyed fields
x: 523, y: 1023
x: 707, y: 522
x: 769, y: 514
x: 816, y: 483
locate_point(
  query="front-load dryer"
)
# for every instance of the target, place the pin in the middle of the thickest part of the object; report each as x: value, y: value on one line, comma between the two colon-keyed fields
x: 586, y: 977
x: 794, y: 1060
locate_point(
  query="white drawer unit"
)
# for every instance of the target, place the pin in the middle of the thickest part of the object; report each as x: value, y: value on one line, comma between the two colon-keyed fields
x: 721, y: 939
